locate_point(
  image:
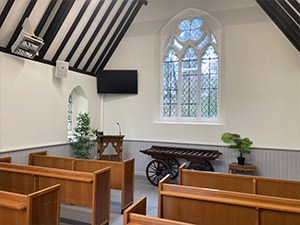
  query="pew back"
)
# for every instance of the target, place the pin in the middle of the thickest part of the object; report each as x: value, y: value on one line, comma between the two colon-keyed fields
x: 52, y: 162
x: 122, y: 173
x: 240, y: 183
x: 210, y: 206
x: 78, y: 188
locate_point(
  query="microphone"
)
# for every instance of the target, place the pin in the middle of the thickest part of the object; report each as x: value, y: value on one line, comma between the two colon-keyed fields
x: 119, y: 128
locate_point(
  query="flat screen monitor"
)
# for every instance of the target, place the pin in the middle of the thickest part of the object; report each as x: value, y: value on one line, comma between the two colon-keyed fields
x: 117, y: 82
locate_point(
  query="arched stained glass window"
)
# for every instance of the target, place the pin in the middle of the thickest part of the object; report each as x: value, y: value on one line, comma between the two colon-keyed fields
x: 170, y: 84
x: 190, y: 84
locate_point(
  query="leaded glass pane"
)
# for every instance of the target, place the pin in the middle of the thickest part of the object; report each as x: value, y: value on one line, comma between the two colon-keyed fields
x: 185, y: 24
x: 184, y: 36
x: 213, y: 38
x: 190, y: 30
x: 189, y: 81
x: 209, y: 83
x: 177, y: 44
x: 196, y: 34
x: 196, y: 23
x: 170, y: 84
x: 203, y: 42
x: 168, y: 43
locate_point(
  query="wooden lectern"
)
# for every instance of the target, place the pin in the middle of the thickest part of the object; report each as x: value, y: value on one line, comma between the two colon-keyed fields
x: 116, y: 142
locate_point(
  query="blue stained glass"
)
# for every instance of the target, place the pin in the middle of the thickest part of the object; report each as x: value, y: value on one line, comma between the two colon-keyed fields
x: 185, y: 25
x: 203, y: 42
x: 210, y: 53
x: 196, y: 23
x: 184, y: 36
x: 190, y: 55
x: 196, y: 34
x: 177, y: 44
x: 213, y: 38
x: 171, y: 56
x: 168, y: 43
x: 190, y: 29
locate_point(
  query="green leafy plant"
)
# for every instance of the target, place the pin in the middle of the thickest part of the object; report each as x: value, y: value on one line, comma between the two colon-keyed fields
x: 241, y: 144
x: 83, y: 133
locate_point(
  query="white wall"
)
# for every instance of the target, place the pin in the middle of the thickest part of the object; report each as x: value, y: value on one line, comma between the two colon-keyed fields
x: 260, y: 75
x: 34, y: 103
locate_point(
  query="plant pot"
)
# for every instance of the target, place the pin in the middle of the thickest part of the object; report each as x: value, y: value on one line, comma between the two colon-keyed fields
x: 241, y: 160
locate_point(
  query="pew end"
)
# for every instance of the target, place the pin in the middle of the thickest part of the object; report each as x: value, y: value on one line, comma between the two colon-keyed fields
x: 139, y: 208
x: 183, y: 166
x: 38, y: 207
x: 136, y: 215
x: 31, y: 156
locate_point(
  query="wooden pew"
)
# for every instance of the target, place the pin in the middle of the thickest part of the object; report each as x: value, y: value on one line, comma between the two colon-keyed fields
x: 77, y: 188
x: 136, y: 215
x: 240, y: 183
x: 39, y: 207
x: 210, y: 206
x: 122, y: 173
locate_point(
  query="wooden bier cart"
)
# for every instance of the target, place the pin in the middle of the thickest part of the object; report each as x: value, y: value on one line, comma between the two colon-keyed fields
x: 165, y: 161
x: 116, y: 142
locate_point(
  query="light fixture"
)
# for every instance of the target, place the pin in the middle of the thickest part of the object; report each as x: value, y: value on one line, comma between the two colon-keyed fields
x: 27, y: 44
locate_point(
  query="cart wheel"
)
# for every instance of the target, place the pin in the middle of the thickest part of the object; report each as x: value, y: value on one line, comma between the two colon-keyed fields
x: 204, y: 166
x: 156, y: 170
x: 173, y: 165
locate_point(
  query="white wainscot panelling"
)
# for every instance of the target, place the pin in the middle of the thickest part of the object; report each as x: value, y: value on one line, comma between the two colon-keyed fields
x: 270, y: 162
x: 21, y: 156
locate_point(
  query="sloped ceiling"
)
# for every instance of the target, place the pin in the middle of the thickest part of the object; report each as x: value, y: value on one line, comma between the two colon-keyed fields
x: 84, y: 33
x: 286, y: 15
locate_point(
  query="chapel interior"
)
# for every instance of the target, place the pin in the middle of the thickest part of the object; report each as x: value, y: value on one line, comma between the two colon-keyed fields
x: 139, y: 112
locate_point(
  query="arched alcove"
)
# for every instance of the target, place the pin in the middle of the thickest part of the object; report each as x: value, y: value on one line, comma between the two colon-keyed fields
x: 77, y: 103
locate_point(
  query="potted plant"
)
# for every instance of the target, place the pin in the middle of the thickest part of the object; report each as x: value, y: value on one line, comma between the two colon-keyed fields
x: 241, y: 144
x: 81, y: 142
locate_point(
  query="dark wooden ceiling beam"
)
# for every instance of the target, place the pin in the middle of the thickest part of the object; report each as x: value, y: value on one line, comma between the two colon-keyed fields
x: 95, y: 33
x: 48, y: 62
x: 84, y: 31
x: 71, y: 30
x: 19, y: 27
x: 121, y: 34
x: 45, y: 17
x: 289, y: 10
x: 295, y: 4
x: 282, y: 20
x: 5, y: 11
x: 55, y: 25
x: 104, y: 36
x: 113, y: 37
